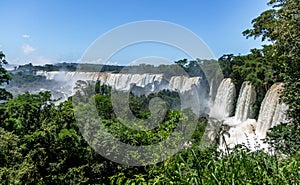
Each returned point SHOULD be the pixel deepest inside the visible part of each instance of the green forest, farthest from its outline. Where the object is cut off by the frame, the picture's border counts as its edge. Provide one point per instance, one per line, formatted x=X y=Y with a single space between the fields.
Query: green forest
x=42 y=142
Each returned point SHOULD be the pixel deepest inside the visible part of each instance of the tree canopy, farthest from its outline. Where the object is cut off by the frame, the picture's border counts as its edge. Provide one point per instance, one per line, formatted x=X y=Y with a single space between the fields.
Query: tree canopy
x=4 y=78
x=41 y=141
x=281 y=26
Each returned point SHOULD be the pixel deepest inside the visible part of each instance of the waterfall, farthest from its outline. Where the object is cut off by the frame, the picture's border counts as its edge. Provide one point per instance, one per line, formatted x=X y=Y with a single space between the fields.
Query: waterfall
x=118 y=81
x=211 y=88
x=183 y=83
x=272 y=111
x=125 y=81
x=241 y=127
x=249 y=131
x=193 y=93
x=223 y=103
x=69 y=76
x=246 y=99
x=122 y=81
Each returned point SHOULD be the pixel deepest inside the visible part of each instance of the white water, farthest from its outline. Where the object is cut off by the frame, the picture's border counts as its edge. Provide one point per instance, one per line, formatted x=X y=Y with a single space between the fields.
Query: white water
x=122 y=81
x=223 y=103
x=118 y=81
x=242 y=128
x=183 y=83
x=272 y=111
x=250 y=132
x=192 y=93
x=244 y=107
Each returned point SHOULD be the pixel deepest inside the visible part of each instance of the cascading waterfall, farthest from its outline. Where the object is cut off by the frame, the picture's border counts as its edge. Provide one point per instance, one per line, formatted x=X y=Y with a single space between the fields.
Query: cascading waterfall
x=242 y=129
x=192 y=92
x=240 y=125
x=223 y=104
x=118 y=81
x=272 y=111
x=124 y=81
x=246 y=99
x=121 y=81
x=183 y=83
x=72 y=76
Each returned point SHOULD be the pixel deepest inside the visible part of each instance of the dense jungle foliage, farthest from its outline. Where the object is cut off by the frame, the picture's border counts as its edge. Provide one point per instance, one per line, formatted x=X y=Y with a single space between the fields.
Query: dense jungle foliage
x=42 y=143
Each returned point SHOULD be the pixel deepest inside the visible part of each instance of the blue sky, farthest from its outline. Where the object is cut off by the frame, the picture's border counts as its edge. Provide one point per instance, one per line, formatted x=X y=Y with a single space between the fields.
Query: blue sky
x=44 y=31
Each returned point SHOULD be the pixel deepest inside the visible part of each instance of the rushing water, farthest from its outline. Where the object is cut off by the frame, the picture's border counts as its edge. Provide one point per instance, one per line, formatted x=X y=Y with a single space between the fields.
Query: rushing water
x=121 y=81
x=244 y=107
x=224 y=102
x=193 y=93
x=243 y=129
x=272 y=111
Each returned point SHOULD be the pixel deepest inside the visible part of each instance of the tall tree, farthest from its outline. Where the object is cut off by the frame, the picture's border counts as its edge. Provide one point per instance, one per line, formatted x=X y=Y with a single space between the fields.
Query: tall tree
x=4 y=78
x=281 y=26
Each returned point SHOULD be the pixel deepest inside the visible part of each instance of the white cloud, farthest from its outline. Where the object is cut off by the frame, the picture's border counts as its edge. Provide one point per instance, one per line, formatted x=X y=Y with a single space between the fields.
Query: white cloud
x=113 y=63
x=42 y=60
x=27 y=49
x=96 y=61
x=26 y=36
x=34 y=59
x=152 y=60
